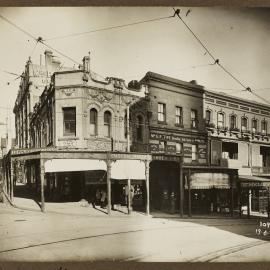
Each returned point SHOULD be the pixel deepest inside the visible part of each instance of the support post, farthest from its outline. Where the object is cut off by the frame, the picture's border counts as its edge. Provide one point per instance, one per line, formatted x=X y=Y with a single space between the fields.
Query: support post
x=109 y=167
x=129 y=198
x=249 y=203
x=268 y=203
x=240 y=200
x=181 y=193
x=42 y=176
x=231 y=182
x=189 y=194
x=147 y=188
x=11 y=180
x=128 y=134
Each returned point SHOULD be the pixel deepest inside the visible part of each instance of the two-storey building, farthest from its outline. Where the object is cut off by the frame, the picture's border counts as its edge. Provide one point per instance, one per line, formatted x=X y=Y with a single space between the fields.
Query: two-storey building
x=169 y=123
x=238 y=137
x=77 y=139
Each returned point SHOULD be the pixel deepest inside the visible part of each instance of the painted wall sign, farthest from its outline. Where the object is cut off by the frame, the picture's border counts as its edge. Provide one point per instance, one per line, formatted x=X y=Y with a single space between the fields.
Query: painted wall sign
x=174 y=138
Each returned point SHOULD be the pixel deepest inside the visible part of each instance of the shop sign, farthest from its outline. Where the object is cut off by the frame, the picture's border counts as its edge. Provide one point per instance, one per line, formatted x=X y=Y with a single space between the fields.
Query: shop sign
x=174 y=138
x=187 y=151
x=254 y=184
x=202 y=153
x=166 y=158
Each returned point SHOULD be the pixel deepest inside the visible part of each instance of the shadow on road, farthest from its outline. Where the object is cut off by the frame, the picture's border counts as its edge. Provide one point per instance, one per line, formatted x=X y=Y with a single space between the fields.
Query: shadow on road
x=250 y=227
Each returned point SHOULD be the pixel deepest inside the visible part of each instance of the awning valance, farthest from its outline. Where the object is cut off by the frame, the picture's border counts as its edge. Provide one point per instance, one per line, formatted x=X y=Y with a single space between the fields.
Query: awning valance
x=250 y=181
x=128 y=169
x=209 y=180
x=70 y=165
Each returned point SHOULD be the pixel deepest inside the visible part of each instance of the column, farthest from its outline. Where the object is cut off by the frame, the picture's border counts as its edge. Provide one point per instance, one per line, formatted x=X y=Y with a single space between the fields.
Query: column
x=109 y=206
x=181 y=193
x=249 y=203
x=129 y=197
x=189 y=195
x=147 y=188
x=11 y=180
x=231 y=182
x=42 y=177
x=268 y=203
x=240 y=200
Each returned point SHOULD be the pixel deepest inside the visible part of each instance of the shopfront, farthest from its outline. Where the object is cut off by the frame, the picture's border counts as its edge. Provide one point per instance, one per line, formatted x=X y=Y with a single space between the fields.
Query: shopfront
x=210 y=191
x=255 y=194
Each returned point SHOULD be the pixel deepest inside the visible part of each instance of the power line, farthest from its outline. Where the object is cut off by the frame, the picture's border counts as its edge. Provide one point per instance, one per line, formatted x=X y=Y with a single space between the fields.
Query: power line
x=109 y=28
x=18 y=27
x=217 y=61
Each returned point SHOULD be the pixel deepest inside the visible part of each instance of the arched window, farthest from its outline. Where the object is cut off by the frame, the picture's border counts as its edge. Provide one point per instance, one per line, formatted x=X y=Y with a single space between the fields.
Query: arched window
x=264 y=127
x=93 y=121
x=107 y=124
x=244 y=123
x=220 y=120
x=139 y=128
x=254 y=125
x=208 y=117
x=233 y=124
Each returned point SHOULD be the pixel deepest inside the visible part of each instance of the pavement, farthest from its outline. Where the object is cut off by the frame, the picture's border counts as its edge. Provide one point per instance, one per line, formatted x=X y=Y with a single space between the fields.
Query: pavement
x=76 y=232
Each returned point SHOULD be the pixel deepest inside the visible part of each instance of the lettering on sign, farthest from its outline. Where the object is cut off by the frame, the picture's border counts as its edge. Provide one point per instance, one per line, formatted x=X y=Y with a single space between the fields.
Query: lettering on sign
x=175 y=138
x=166 y=158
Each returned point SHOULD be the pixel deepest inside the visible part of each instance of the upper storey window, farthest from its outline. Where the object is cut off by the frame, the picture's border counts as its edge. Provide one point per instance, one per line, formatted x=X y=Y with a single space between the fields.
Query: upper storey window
x=220 y=120
x=244 y=123
x=93 y=121
x=107 y=123
x=161 y=112
x=69 y=117
x=194 y=118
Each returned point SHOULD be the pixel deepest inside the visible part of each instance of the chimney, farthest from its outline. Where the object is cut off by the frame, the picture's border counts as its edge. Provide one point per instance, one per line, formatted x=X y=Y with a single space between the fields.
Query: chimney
x=86 y=63
x=48 y=57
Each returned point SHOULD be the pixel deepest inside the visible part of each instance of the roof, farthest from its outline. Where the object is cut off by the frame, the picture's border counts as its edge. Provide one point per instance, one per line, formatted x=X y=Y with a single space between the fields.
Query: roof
x=238 y=99
x=155 y=76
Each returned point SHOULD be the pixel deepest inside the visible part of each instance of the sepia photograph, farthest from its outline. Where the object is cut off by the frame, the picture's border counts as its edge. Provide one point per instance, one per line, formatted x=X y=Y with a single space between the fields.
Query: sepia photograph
x=134 y=135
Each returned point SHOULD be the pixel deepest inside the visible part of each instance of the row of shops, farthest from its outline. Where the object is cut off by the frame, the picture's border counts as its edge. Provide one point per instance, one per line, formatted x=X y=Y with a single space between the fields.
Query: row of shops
x=139 y=181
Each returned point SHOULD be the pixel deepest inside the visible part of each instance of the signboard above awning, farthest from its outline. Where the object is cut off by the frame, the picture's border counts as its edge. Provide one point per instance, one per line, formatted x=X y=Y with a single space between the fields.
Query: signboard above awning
x=128 y=169
x=72 y=165
x=209 y=180
x=250 y=181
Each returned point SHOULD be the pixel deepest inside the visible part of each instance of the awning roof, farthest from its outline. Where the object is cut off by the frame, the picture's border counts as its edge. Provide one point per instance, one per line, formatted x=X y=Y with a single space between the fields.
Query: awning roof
x=71 y=165
x=128 y=169
x=253 y=181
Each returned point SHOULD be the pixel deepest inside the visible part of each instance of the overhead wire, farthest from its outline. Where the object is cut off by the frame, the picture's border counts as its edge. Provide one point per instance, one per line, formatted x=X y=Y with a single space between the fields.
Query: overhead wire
x=216 y=60
x=108 y=28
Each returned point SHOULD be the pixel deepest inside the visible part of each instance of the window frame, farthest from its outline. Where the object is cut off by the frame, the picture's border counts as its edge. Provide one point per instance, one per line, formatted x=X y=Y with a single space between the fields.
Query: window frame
x=162 y=113
x=194 y=121
x=245 y=127
x=223 y=120
x=108 y=124
x=95 y=123
x=70 y=122
x=264 y=124
x=179 y=116
x=233 y=116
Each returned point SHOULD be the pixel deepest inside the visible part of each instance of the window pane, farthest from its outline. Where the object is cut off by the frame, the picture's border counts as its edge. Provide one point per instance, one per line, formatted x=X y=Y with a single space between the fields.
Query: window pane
x=194 y=152
x=107 y=124
x=179 y=148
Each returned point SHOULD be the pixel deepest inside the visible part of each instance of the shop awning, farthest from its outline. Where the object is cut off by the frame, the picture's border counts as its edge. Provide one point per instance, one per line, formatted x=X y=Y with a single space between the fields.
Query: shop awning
x=128 y=169
x=251 y=181
x=209 y=180
x=71 y=165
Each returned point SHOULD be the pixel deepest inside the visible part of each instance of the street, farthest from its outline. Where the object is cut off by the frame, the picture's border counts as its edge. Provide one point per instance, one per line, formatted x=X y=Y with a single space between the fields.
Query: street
x=90 y=235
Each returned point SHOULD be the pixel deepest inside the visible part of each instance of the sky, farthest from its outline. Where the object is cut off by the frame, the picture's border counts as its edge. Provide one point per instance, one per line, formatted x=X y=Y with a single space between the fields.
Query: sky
x=239 y=38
